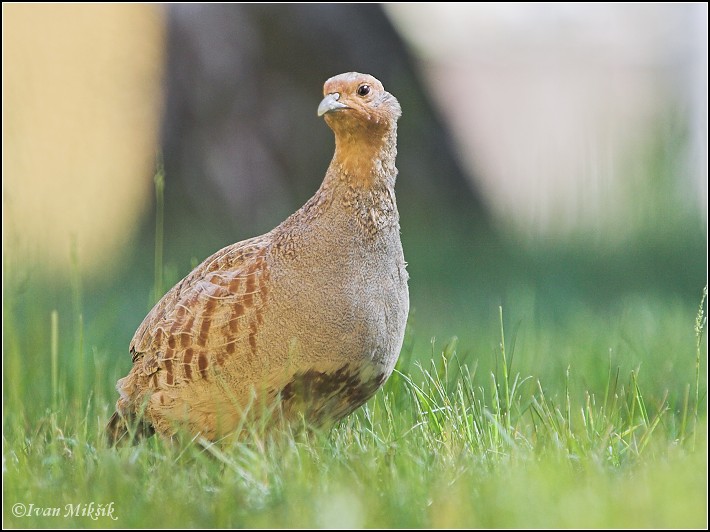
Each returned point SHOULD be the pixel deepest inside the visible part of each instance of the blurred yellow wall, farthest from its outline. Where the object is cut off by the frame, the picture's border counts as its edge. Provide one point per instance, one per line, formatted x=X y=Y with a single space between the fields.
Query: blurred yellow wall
x=81 y=109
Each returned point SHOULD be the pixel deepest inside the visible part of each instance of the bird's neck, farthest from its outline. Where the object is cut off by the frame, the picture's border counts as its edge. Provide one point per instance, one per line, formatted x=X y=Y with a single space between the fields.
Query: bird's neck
x=364 y=161
x=360 y=181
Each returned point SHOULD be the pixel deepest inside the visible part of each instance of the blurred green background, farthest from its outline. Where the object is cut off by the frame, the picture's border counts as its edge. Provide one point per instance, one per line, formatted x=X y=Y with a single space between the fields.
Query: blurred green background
x=552 y=160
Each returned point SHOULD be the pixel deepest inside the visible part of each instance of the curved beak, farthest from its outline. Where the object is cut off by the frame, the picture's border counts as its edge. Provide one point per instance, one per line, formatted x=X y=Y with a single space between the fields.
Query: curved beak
x=330 y=103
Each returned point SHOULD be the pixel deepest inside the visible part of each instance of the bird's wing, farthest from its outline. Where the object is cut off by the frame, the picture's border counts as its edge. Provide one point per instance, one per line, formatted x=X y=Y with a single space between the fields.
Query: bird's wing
x=211 y=314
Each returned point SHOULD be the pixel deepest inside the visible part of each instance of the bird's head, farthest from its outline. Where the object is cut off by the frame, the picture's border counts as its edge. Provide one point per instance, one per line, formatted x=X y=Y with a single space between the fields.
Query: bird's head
x=358 y=103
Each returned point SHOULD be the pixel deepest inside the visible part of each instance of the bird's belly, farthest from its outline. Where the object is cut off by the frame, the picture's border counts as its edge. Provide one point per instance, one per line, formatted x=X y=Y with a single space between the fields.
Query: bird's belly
x=338 y=345
x=323 y=397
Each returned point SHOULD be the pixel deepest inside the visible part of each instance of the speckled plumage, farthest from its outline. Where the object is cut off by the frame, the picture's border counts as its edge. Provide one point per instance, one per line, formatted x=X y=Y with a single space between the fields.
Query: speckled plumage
x=308 y=318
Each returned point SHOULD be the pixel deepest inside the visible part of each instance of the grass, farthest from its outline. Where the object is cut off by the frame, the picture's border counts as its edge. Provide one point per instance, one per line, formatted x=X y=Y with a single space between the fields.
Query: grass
x=447 y=443
x=598 y=419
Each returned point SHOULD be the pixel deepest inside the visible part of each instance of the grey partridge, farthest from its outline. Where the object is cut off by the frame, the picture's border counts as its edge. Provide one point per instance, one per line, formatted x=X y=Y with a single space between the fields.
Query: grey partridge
x=307 y=320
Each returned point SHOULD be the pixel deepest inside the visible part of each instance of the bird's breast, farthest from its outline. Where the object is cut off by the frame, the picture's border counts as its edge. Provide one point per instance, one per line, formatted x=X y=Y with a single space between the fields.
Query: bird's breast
x=342 y=297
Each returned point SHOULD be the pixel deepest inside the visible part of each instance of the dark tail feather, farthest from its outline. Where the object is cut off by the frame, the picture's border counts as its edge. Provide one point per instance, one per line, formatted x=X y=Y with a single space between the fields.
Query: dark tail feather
x=127 y=429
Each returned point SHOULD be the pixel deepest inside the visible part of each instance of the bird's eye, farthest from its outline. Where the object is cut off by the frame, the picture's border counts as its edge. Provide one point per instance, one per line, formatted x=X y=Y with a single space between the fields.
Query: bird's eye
x=363 y=90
